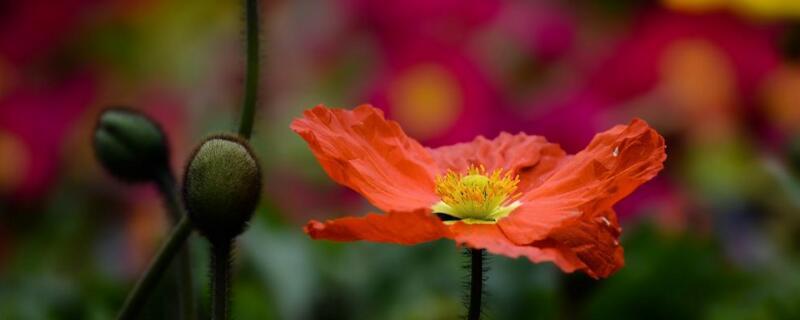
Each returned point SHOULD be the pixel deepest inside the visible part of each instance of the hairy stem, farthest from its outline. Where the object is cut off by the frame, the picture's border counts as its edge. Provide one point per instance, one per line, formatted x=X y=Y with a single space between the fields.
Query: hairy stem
x=185 y=280
x=221 y=279
x=252 y=69
x=149 y=280
x=221 y=258
x=476 y=284
x=186 y=300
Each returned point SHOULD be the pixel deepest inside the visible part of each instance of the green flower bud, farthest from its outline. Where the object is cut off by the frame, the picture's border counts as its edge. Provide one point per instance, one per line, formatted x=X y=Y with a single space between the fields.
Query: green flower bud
x=130 y=145
x=221 y=187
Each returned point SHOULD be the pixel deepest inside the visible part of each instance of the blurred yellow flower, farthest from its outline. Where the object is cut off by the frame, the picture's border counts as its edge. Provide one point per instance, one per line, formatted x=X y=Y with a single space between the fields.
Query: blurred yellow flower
x=757 y=8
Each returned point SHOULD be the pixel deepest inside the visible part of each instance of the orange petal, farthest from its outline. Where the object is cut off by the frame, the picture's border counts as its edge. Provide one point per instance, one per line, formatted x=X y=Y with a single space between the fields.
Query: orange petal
x=614 y=164
x=395 y=227
x=365 y=152
x=491 y=238
x=594 y=241
x=532 y=157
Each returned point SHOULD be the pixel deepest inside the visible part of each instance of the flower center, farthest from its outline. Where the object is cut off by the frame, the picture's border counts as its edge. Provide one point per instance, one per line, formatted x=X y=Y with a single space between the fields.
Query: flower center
x=477 y=196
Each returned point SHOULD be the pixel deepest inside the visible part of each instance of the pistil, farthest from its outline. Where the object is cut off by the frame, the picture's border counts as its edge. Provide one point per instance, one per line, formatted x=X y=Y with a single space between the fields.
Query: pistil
x=477 y=196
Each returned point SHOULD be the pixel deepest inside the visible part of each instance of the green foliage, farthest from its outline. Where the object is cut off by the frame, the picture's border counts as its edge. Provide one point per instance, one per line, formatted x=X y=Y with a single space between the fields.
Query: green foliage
x=667 y=276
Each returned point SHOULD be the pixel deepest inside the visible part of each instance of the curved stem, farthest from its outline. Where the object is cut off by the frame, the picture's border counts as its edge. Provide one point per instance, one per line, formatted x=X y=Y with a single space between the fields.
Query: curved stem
x=221 y=279
x=166 y=187
x=168 y=190
x=252 y=69
x=149 y=280
x=476 y=284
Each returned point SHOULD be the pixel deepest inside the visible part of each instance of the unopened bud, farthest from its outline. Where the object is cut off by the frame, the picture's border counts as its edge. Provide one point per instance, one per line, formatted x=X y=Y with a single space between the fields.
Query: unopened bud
x=221 y=187
x=130 y=146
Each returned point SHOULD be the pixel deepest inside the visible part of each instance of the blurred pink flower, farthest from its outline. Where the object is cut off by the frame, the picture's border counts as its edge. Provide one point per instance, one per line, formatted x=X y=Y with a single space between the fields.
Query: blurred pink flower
x=435 y=81
x=38 y=105
x=634 y=65
x=29 y=30
x=571 y=123
x=437 y=92
x=397 y=21
x=34 y=120
x=696 y=72
x=544 y=28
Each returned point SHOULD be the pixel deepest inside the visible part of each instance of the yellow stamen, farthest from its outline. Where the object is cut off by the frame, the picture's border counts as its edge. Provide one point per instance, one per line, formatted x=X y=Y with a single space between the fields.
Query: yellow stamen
x=477 y=196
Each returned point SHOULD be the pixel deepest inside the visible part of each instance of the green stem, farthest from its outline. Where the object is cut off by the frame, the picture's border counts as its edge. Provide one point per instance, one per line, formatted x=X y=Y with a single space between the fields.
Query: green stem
x=221 y=279
x=476 y=284
x=167 y=187
x=149 y=280
x=252 y=69
x=185 y=285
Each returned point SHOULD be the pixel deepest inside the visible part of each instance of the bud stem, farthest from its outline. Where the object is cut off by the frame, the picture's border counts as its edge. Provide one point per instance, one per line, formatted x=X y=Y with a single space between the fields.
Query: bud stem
x=167 y=188
x=252 y=69
x=476 y=283
x=165 y=183
x=221 y=278
x=149 y=280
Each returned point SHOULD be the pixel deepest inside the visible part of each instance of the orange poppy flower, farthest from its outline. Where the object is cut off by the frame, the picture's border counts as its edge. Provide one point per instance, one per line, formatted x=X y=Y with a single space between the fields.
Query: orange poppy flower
x=515 y=195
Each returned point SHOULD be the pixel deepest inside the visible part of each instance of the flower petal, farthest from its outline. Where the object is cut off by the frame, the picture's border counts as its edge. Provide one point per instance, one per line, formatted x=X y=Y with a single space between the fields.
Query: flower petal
x=532 y=157
x=491 y=238
x=365 y=152
x=614 y=164
x=395 y=227
x=594 y=241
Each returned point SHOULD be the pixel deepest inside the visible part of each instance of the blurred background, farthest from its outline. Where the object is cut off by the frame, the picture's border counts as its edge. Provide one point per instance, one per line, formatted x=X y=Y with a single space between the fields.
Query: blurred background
x=715 y=236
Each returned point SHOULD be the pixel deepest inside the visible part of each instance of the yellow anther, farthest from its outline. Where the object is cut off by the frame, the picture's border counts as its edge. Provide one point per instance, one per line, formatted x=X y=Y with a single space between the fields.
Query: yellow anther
x=477 y=196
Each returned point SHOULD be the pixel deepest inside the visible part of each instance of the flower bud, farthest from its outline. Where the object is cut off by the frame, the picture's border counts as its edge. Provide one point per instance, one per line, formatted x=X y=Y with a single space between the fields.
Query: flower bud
x=130 y=145
x=221 y=187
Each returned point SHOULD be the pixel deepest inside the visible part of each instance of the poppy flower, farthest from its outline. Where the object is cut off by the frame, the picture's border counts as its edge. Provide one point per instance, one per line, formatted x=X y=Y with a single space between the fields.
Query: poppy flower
x=515 y=195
